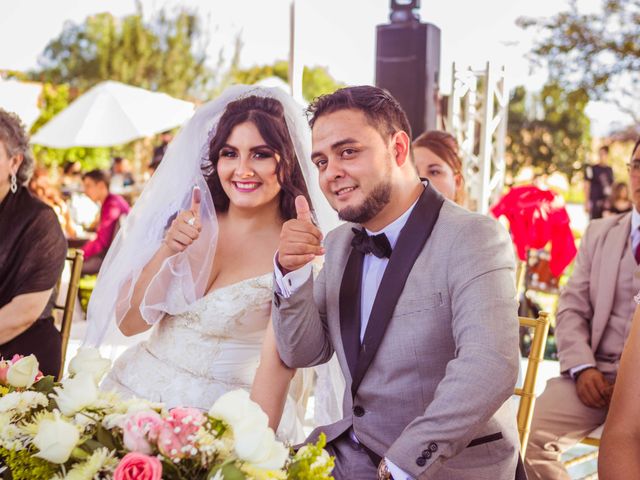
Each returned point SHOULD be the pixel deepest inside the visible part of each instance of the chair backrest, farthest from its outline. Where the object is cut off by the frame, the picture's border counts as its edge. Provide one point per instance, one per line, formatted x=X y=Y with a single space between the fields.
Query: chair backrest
x=76 y=258
x=527 y=395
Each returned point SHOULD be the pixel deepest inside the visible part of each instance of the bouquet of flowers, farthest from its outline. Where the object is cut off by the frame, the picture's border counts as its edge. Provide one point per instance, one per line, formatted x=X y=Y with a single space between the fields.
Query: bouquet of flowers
x=72 y=430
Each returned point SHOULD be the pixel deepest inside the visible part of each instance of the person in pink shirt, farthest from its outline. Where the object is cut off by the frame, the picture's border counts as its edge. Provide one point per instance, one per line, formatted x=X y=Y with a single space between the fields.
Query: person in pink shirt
x=96 y=187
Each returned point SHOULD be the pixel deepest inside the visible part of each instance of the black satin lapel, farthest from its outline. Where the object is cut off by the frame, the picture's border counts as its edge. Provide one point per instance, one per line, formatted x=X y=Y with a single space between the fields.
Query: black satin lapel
x=350 y=293
x=410 y=243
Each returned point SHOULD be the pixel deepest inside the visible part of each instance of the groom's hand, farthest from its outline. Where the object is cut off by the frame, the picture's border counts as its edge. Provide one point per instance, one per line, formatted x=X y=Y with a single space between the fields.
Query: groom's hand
x=300 y=239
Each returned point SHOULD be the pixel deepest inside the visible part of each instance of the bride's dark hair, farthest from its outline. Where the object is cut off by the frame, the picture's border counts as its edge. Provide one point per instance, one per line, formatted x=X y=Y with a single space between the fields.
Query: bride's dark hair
x=267 y=114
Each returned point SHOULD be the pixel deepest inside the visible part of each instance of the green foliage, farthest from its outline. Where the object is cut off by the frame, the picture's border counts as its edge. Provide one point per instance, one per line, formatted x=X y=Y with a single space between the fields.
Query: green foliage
x=316 y=81
x=23 y=466
x=45 y=385
x=549 y=131
x=166 y=53
x=598 y=52
x=309 y=464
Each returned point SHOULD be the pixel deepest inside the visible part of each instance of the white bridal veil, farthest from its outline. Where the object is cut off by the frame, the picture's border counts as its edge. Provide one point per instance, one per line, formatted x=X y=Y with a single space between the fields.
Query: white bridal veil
x=169 y=191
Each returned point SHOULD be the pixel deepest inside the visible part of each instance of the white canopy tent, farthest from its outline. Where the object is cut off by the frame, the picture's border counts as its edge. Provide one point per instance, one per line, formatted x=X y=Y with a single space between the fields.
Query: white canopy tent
x=112 y=113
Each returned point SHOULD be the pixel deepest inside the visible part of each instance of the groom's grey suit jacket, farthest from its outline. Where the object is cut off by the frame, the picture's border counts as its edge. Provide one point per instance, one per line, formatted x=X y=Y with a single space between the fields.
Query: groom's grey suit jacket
x=429 y=387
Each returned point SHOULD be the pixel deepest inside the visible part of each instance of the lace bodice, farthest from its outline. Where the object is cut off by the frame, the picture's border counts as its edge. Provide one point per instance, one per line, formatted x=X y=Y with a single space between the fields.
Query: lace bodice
x=192 y=358
x=225 y=326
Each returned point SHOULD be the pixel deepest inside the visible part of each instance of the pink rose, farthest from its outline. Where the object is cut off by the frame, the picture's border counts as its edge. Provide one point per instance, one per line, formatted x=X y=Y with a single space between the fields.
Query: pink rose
x=139 y=429
x=177 y=433
x=136 y=466
x=16 y=357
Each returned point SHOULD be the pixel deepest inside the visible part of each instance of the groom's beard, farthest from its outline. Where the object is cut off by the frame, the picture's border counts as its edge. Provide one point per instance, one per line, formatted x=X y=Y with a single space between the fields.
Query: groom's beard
x=372 y=205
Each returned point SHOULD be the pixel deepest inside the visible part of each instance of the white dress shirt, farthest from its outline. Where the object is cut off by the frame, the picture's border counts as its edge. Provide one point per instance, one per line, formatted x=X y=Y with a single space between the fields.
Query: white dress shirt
x=634 y=235
x=372 y=271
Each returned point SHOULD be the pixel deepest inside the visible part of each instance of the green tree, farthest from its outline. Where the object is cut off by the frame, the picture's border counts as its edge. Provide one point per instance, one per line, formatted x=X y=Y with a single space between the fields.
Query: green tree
x=316 y=81
x=598 y=52
x=548 y=131
x=166 y=53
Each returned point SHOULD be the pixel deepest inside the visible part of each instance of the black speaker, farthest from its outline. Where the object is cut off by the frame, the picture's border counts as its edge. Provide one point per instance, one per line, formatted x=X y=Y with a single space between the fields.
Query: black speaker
x=408 y=66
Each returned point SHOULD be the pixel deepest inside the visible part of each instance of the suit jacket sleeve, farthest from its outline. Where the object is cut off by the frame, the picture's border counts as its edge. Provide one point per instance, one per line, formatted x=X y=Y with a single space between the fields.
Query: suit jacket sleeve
x=575 y=311
x=300 y=323
x=484 y=323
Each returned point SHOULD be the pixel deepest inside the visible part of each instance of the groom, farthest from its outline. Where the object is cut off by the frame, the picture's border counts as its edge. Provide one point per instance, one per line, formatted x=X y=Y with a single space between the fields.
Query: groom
x=416 y=297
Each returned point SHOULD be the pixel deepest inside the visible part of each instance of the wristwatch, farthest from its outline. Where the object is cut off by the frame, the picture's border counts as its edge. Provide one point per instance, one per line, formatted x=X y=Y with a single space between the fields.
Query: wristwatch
x=383 y=471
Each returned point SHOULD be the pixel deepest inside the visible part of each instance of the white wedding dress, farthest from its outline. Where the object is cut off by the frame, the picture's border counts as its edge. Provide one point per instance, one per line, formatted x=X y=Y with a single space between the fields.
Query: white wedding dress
x=193 y=358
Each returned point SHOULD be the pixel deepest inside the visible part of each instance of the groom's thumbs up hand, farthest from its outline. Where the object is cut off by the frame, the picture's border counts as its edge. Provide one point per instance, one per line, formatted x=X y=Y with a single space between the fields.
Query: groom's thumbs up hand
x=303 y=211
x=300 y=239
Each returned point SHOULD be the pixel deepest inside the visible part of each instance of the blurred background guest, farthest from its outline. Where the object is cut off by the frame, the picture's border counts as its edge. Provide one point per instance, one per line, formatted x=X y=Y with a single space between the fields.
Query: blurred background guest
x=159 y=151
x=598 y=182
x=121 y=175
x=113 y=207
x=40 y=186
x=32 y=255
x=71 y=181
x=436 y=158
x=618 y=201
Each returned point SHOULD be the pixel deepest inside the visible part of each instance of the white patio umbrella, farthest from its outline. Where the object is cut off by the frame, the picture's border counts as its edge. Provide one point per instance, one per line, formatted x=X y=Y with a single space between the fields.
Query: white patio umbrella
x=112 y=113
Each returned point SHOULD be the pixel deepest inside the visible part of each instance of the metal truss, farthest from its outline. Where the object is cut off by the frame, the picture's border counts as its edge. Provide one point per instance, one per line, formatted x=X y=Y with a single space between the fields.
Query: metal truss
x=477 y=117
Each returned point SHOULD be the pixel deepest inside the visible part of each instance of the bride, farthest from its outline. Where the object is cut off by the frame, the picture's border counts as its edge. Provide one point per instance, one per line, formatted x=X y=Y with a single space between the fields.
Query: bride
x=201 y=279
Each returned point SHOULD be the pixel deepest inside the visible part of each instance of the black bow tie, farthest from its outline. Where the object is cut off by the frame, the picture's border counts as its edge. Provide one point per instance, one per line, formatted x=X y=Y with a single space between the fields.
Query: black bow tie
x=378 y=245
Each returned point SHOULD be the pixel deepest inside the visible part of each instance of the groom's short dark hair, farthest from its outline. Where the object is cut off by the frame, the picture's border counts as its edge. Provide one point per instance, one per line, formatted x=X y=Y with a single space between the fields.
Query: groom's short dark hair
x=383 y=112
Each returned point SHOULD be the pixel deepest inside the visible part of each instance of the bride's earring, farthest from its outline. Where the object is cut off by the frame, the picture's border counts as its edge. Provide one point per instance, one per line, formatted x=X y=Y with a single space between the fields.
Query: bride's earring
x=14 y=183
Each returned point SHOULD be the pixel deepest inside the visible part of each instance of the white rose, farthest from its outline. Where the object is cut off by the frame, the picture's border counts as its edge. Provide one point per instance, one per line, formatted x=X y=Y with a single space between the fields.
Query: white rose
x=252 y=444
x=56 y=439
x=76 y=393
x=228 y=407
x=236 y=407
x=276 y=458
x=89 y=360
x=22 y=374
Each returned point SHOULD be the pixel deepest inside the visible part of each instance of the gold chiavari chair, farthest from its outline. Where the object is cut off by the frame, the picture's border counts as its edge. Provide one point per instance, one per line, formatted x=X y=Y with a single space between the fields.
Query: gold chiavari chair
x=526 y=393
x=76 y=259
x=592 y=440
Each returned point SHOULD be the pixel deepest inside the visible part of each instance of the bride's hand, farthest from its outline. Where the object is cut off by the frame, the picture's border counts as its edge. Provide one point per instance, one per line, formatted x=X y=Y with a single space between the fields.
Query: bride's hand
x=186 y=227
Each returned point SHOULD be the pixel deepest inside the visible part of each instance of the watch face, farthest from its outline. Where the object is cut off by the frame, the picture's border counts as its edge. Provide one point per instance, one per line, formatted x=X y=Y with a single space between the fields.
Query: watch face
x=383 y=471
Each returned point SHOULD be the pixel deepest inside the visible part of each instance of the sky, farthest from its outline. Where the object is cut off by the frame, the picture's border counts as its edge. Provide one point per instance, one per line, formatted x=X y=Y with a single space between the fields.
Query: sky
x=337 y=34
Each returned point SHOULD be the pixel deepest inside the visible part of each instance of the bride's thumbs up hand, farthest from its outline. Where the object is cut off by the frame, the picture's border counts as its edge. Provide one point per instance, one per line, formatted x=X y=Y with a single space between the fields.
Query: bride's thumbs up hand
x=300 y=239
x=186 y=227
